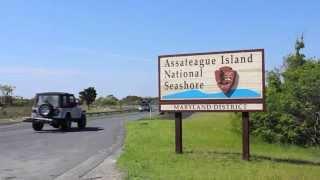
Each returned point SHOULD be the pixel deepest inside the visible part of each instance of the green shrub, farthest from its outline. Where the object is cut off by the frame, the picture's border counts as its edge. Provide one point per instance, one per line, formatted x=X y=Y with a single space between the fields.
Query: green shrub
x=292 y=99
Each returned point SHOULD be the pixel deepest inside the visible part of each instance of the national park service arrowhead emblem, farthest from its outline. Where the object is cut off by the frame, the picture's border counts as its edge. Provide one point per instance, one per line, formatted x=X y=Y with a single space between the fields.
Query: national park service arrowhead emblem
x=225 y=78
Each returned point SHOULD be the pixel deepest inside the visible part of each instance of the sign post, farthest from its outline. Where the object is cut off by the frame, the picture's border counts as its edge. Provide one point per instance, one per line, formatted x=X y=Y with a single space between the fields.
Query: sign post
x=227 y=81
x=178 y=127
x=245 y=136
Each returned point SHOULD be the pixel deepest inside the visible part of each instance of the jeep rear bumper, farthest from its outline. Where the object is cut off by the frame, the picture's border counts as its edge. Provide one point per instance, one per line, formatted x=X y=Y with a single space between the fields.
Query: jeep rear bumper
x=44 y=120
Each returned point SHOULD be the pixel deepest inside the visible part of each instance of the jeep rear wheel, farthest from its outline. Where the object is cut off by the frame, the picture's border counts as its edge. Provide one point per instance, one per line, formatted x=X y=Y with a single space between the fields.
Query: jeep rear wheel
x=37 y=125
x=55 y=125
x=82 y=122
x=66 y=123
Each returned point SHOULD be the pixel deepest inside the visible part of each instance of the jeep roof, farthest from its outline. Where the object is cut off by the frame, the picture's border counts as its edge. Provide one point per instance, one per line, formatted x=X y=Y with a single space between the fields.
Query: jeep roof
x=53 y=93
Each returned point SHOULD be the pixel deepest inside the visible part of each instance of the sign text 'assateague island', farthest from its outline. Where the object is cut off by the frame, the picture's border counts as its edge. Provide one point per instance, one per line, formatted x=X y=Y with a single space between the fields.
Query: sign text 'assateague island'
x=214 y=81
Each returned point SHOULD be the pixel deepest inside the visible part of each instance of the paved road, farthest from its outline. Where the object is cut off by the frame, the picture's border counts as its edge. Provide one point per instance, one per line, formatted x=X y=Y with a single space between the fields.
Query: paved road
x=26 y=154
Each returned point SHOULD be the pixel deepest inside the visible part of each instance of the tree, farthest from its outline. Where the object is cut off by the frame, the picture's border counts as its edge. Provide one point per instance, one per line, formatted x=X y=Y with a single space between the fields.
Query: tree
x=88 y=96
x=6 y=91
x=111 y=100
x=108 y=100
x=130 y=100
x=297 y=59
x=299 y=45
x=292 y=99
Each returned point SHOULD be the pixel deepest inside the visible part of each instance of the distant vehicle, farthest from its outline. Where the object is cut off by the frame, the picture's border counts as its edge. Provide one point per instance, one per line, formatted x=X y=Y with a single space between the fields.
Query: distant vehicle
x=57 y=109
x=144 y=107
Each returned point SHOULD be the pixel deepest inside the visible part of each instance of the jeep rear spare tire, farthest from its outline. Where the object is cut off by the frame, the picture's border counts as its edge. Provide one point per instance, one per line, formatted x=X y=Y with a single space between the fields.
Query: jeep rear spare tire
x=45 y=110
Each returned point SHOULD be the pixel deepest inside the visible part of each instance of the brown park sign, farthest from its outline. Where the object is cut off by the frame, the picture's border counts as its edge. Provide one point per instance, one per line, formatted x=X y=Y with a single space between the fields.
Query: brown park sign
x=213 y=81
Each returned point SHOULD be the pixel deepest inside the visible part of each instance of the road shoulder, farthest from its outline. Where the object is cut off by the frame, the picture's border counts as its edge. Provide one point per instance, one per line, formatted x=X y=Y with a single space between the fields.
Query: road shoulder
x=107 y=170
x=100 y=166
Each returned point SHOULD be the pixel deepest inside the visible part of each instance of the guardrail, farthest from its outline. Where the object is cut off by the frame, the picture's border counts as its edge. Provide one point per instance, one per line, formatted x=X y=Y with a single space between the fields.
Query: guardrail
x=110 y=112
x=93 y=114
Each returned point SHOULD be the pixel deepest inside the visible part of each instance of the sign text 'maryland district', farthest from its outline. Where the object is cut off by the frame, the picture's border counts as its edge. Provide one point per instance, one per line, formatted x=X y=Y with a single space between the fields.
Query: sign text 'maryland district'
x=211 y=107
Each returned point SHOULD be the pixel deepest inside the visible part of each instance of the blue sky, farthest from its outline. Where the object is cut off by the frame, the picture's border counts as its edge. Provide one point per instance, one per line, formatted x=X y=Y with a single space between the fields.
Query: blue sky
x=58 y=45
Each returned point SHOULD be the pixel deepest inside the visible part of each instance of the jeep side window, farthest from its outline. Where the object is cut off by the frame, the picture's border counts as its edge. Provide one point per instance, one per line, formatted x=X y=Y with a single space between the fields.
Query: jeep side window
x=72 y=100
x=64 y=101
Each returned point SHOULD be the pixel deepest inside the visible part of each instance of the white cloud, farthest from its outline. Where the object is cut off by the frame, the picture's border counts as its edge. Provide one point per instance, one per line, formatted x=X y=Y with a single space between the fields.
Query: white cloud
x=37 y=71
x=106 y=54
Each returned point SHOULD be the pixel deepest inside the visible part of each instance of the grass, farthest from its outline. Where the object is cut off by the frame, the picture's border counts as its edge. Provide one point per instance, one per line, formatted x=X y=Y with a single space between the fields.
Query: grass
x=108 y=108
x=14 y=113
x=212 y=150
